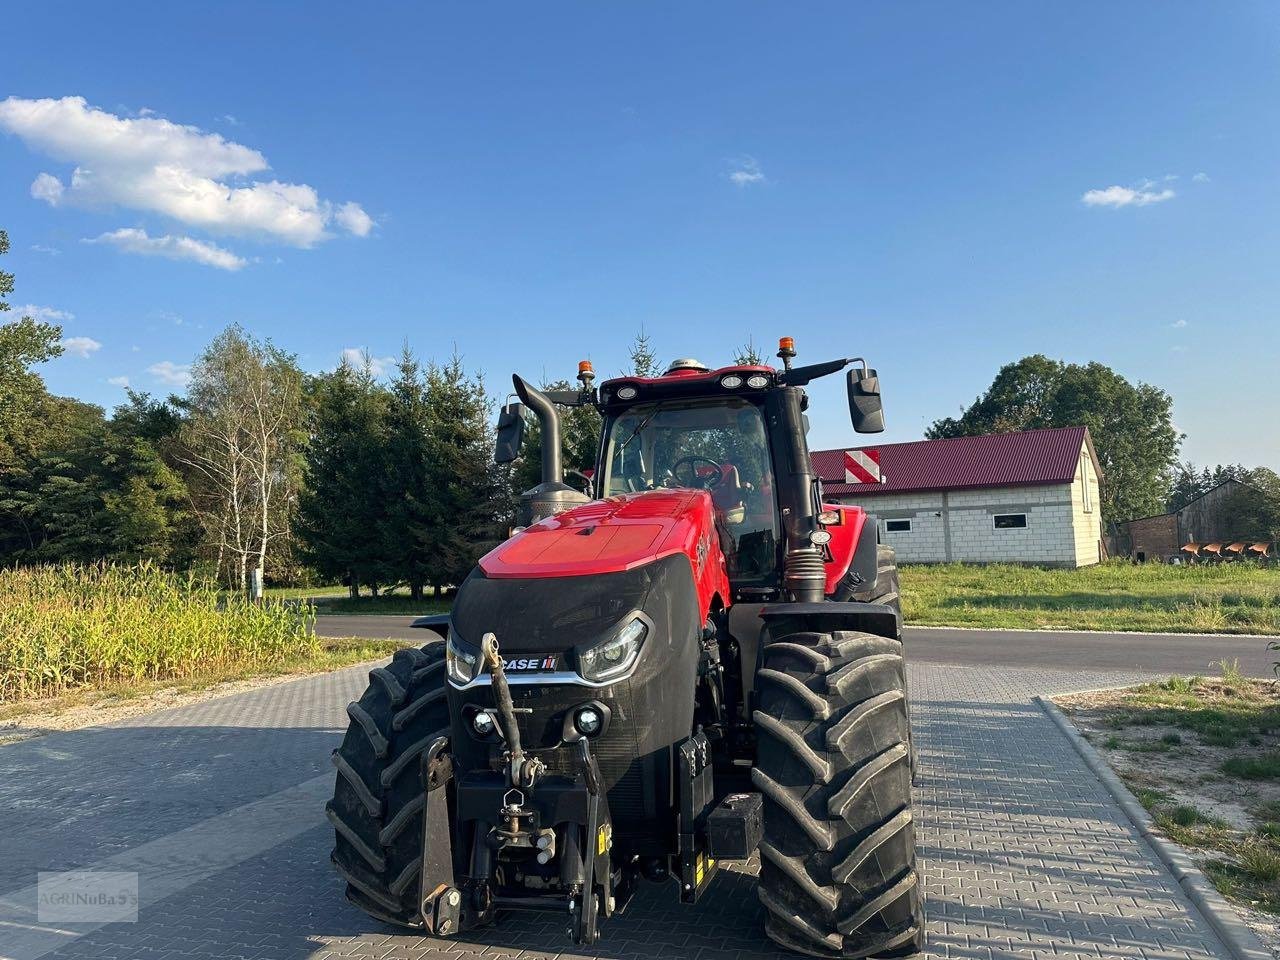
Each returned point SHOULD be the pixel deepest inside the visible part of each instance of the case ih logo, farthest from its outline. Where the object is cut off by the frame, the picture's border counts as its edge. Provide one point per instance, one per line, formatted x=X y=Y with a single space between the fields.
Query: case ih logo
x=862 y=466
x=529 y=664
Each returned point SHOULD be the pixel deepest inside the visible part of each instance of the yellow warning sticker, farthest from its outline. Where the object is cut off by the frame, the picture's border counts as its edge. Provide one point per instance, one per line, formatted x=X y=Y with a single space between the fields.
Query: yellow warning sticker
x=699 y=870
x=604 y=837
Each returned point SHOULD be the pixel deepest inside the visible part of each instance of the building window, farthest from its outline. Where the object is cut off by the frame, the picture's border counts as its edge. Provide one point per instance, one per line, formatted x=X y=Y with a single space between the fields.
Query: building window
x=897 y=526
x=1009 y=521
x=1084 y=482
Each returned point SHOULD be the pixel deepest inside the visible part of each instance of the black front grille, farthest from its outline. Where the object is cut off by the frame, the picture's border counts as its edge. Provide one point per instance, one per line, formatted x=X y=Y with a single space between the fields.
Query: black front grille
x=616 y=750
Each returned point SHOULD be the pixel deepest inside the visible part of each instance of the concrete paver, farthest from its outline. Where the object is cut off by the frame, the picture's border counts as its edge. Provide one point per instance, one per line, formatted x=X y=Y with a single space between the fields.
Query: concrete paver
x=1023 y=853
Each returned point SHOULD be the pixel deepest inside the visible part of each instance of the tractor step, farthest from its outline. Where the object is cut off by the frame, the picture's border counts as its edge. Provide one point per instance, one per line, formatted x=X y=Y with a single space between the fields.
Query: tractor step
x=735 y=827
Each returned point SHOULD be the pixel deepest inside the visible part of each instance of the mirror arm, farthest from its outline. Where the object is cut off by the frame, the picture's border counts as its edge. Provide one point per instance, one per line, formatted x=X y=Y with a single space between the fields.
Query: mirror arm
x=800 y=376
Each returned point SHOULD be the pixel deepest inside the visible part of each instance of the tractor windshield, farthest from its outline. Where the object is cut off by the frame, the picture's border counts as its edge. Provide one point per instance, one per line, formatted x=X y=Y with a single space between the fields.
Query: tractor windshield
x=719 y=446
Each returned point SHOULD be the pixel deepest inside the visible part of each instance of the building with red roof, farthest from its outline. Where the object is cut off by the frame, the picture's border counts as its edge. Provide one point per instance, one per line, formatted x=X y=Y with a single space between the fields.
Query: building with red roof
x=1029 y=497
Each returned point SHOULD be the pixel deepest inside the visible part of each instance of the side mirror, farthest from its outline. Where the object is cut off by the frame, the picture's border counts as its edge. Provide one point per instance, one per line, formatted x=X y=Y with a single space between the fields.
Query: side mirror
x=510 y=433
x=866 y=409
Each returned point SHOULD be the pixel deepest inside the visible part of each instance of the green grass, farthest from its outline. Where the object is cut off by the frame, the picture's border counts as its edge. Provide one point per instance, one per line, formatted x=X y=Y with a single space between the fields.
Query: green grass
x=1218 y=713
x=1117 y=595
x=70 y=626
x=1262 y=767
x=305 y=593
x=1242 y=862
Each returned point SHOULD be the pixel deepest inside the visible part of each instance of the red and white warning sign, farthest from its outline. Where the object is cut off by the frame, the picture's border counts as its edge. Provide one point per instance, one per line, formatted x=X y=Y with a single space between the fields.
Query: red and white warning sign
x=862 y=466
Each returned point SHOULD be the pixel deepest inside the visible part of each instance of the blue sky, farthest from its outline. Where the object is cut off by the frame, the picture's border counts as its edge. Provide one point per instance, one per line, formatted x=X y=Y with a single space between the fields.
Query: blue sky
x=940 y=187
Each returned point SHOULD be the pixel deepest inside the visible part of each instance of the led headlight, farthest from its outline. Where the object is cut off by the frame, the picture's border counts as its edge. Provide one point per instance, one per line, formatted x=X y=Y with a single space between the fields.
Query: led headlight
x=616 y=655
x=757 y=381
x=731 y=382
x=588 y=721
x=460 y=660
x=626 y=393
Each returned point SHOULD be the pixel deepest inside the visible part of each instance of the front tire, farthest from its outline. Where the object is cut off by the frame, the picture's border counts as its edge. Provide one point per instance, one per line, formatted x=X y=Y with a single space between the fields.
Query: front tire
x=838 y=864
x=379 y=797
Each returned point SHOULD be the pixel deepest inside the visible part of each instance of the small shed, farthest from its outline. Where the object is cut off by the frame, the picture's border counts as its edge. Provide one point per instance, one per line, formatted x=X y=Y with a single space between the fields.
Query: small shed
x=1028 y=497
x=1203 y=520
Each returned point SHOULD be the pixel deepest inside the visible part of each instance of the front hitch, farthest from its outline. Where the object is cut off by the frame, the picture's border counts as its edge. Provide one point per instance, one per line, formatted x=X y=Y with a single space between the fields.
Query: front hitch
x=522 y=771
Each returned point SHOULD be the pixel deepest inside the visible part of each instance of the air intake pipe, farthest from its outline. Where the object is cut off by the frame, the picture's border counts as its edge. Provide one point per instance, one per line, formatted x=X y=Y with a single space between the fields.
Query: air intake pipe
x=552 y=495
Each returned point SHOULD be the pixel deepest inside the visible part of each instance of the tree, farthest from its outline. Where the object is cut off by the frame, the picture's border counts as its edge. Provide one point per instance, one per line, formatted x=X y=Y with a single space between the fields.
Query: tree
x=1131 y=425
x=23 y=344
x=643 y=361
x=409 y=492
x=240 y=443
x=748 y=355
x=340 y=507
x=1252 y=510
x=462 y=518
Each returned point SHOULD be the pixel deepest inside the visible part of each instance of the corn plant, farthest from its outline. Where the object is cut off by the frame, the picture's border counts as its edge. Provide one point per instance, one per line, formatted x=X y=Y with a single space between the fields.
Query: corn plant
x=69 y=626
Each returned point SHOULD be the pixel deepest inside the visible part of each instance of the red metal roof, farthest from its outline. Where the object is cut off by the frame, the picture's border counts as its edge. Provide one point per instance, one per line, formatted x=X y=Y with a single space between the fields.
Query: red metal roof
x=1032 y=457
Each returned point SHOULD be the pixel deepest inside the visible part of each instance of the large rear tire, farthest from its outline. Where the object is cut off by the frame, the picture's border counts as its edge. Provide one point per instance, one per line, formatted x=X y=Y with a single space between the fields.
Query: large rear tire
x=838 y=864
x=379 y=796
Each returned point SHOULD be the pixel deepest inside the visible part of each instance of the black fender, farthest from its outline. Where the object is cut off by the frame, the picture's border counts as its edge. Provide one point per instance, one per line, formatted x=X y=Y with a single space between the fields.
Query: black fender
x=439 y=622
x=828 y=616
x=863 y=568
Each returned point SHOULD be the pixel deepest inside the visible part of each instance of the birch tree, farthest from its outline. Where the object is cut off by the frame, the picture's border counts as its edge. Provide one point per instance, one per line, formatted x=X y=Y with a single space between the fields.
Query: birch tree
x=241 y=444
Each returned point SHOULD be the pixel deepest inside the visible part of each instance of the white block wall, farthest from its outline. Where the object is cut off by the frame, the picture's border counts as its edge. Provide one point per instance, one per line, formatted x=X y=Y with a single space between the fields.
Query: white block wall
x=1059 y=531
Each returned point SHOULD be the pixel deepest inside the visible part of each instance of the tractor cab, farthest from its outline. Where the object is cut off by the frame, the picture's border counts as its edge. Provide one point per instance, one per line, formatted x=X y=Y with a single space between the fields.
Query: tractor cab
x=737 y=432
x=718 y=444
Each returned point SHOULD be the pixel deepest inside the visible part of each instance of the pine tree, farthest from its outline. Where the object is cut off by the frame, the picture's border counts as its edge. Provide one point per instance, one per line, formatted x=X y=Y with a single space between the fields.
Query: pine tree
x=748 y=355
x=464 y=508
x=340 y=508
x=409 y=494
x=643 y=361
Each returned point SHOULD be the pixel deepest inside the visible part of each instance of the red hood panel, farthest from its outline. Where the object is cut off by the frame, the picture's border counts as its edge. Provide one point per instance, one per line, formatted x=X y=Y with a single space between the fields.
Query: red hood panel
x=607 y=536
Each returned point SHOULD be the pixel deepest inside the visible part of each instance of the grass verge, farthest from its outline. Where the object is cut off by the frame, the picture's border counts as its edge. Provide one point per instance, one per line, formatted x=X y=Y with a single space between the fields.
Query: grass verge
x=1203 y=757
x=1116 y=595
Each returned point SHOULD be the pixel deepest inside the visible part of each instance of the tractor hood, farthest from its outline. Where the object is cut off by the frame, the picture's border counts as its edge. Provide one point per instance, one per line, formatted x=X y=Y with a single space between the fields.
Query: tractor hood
x=611 y=536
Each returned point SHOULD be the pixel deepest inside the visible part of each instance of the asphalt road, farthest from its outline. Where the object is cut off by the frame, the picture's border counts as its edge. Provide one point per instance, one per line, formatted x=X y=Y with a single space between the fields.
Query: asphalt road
x=1158 y=652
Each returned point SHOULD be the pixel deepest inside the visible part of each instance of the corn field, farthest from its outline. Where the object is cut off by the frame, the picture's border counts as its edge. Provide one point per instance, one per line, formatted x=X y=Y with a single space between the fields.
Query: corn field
x=69 y=626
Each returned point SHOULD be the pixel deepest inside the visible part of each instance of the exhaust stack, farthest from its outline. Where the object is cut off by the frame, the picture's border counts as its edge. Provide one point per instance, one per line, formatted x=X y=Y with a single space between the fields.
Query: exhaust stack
x=552 y=495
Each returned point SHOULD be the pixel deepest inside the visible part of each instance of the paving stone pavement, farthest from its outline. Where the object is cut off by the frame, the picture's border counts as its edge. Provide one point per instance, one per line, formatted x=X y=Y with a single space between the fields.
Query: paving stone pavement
x=1023 y=853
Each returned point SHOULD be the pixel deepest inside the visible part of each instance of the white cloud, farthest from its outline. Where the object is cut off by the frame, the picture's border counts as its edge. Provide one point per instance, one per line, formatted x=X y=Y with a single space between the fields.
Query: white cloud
x=745 y=172
x=41 y=248
x=48 y=188
x=1117 y=196
x=43 y=314
x=134 y=240
x=378 y=366
x=1178 y=324
x=180 y=171
x=173 y=374
x=81 y=347
x=1201 y=177
x=229 y=120
x=352 y=217
x=119 y=382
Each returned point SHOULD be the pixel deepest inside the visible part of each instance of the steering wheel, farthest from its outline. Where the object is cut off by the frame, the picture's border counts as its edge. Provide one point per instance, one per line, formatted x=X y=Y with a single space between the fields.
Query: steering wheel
x=708 y=482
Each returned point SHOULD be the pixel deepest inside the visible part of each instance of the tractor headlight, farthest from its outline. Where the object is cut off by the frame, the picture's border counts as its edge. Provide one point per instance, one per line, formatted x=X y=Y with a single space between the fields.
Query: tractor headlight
x=460 y=660
x=615 y=656
x=757 y=381
x=731 y=382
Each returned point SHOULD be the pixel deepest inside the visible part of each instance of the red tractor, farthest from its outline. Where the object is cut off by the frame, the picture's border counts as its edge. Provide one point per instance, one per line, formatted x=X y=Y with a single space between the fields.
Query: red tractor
x=702 y=664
